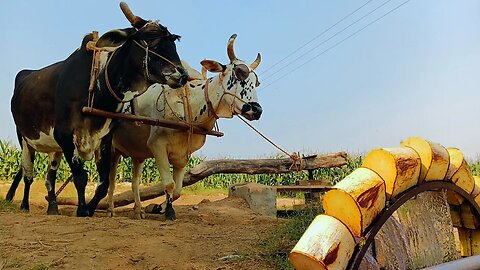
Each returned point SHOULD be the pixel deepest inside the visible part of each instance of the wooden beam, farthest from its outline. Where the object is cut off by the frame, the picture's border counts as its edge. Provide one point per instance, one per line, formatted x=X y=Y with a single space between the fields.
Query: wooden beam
x=150 y=121
x=226 y=166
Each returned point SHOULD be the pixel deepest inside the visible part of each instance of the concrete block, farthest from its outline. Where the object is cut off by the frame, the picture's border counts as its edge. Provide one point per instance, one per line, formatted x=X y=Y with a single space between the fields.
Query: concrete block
x=260 y=198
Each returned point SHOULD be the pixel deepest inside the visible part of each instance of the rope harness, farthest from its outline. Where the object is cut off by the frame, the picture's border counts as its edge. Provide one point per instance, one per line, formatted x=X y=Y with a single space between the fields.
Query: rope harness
x=95 y=69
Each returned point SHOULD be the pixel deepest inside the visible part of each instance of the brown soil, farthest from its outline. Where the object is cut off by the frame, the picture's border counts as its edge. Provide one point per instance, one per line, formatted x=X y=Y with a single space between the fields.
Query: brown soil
x=211 y=232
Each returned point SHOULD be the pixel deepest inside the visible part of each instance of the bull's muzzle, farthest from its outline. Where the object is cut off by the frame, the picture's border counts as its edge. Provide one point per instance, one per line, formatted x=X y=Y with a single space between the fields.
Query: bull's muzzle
x=252 y=110
x=178 y=78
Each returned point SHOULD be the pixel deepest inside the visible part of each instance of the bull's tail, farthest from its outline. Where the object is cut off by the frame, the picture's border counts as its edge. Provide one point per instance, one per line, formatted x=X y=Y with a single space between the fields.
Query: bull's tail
x=18 y=176
x=14 y=186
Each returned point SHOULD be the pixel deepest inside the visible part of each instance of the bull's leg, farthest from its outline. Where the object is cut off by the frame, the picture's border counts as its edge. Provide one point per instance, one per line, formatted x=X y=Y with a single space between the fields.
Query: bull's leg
x=161 y=159
x=53 y=164
x=28 y=155
x=80 y=177
x=178 y=175
x=137 y=174
x=103 y=168
x=14 y=186
x=111 y=186
x=80 y=180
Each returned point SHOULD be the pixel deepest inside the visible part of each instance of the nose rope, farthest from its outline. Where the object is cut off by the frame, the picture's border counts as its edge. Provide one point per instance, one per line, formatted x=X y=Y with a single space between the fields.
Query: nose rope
x=295 y=156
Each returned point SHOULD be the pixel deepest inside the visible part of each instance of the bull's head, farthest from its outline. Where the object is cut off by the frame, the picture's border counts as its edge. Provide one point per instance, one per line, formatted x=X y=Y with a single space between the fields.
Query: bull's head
x=150 y=47
x=239 y=82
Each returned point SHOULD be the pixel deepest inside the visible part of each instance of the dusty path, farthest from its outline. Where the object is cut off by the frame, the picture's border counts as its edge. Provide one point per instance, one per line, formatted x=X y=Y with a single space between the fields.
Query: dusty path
x=216 y=233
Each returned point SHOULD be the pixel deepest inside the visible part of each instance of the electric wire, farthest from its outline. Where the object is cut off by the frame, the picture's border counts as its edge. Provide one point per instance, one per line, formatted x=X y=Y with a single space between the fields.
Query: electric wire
x=336 y=44
x=316 y=37
x=325 y=41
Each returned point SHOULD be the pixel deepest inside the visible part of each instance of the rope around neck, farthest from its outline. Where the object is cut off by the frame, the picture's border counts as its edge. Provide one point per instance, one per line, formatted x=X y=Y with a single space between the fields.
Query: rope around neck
x=147 y=73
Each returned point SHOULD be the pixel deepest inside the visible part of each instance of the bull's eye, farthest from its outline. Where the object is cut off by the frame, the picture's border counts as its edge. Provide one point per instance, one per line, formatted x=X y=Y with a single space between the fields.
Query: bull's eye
x=241 y=72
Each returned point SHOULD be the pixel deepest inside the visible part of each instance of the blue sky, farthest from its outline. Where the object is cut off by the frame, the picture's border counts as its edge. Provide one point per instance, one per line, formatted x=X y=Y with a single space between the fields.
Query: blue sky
x=413 y=73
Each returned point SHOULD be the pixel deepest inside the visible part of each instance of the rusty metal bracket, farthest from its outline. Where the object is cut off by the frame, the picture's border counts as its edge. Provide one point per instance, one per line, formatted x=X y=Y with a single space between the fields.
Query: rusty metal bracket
x=395 y=203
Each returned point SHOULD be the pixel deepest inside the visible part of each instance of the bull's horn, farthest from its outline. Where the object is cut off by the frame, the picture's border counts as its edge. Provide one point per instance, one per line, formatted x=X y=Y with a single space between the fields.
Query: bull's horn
x=128 y=13
x=257 y=61
x=230 y=52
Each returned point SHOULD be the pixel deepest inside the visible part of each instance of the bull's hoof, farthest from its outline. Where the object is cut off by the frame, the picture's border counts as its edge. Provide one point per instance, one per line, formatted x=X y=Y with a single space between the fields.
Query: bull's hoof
x=140 y=215
x=157 y=209
x=25 y=206
x=90 y=210
x=82 y=212
x=110 y=212
x=170 y=212
x=52 y=208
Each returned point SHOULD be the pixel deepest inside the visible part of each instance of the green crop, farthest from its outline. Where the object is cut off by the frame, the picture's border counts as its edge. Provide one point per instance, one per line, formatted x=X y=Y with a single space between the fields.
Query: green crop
x=10 y=158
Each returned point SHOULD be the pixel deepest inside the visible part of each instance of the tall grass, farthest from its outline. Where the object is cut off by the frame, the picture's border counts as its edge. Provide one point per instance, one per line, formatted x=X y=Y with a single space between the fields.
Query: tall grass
x=278 y=244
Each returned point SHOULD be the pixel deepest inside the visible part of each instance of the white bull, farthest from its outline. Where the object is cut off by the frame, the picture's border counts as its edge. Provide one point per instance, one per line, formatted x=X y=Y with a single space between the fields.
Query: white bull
x=232 y=92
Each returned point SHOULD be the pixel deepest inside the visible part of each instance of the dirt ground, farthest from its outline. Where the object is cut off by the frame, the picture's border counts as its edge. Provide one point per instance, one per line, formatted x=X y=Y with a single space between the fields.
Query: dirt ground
x=211 y=232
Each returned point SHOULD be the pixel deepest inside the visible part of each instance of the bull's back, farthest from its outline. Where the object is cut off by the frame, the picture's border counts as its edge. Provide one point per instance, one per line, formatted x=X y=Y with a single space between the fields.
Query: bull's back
x=32 y=103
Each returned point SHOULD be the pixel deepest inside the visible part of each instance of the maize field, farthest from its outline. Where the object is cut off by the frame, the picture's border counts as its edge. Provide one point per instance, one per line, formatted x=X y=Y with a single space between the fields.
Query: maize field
x=10 y=158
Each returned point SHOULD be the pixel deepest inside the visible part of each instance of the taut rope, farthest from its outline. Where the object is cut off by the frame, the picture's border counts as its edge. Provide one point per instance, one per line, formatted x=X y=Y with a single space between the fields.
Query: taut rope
x=295 y=156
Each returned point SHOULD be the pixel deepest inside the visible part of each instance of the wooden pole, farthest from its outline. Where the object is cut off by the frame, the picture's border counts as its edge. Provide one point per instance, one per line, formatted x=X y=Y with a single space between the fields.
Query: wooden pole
x=210 y=167
x=150 y=121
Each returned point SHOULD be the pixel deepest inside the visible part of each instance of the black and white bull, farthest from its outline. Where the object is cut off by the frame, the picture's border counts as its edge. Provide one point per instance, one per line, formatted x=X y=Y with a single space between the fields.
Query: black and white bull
x=232 y=92
x=47 y=103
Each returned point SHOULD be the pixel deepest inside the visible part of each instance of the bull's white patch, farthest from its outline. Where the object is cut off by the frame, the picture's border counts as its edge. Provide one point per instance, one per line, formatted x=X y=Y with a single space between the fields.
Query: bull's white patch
x=129 y=95
x=27 y=164
x=87 y=142
x=103 y=59
x=45 y=144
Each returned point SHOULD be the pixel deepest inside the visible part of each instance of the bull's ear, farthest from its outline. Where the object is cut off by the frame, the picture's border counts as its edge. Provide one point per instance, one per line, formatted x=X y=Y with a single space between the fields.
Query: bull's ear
x=114 y=38
x=213 y=66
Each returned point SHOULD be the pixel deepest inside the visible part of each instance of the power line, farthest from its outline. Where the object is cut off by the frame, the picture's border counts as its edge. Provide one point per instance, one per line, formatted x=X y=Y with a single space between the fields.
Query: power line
x=336 y=44
x=328 y=39
x=319 y=35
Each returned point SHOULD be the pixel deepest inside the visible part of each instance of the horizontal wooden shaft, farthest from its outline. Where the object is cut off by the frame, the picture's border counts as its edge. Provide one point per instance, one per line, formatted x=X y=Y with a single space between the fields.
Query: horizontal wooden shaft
x=150 y=121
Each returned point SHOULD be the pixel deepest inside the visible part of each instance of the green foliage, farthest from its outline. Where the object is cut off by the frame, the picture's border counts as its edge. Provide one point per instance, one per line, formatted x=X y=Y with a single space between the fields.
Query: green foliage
x=9 y=161
x=475 y=168
x=40 y=267
x=6 y=206
x=10 y=158
x=16 y=263
x=280 y=242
